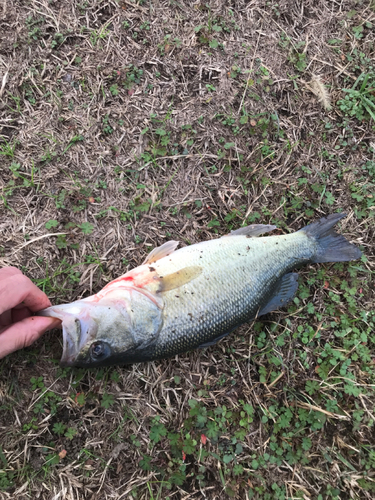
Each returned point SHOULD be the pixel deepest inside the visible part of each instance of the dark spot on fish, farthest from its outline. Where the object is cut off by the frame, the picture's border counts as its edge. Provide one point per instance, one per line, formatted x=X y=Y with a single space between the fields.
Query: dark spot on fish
x=152 y=269
x=161 y=277
x=247 y=248
x=277 y=242
x=177 y=296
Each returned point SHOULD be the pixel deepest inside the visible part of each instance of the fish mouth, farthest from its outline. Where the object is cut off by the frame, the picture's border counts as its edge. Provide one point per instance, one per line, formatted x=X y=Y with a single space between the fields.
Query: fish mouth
x=78 y=330
x=69 y=344
x=70 y=350
x=76 y=337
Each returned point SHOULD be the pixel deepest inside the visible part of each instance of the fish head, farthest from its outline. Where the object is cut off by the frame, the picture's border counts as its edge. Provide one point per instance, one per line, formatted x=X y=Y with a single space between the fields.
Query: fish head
x=107 y=331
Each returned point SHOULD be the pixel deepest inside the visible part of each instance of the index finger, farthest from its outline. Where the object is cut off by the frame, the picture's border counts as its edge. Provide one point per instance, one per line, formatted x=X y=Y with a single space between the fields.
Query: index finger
x=6 y=272
x=18 y=289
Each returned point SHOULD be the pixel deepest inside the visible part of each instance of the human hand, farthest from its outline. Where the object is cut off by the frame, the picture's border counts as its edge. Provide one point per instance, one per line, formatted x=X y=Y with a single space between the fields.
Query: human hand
x=19 y=298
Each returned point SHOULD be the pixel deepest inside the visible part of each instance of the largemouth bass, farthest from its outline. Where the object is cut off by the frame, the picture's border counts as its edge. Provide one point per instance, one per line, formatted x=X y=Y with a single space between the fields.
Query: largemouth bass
x=179 y=300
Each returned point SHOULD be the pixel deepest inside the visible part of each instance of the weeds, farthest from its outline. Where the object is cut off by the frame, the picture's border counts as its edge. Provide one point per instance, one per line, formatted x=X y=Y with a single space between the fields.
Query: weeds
x=8 y=149
x=359 y=101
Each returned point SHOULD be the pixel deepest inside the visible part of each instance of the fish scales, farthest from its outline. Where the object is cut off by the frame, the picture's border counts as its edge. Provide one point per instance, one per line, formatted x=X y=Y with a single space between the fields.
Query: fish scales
x=194 y=296
x=234 y=285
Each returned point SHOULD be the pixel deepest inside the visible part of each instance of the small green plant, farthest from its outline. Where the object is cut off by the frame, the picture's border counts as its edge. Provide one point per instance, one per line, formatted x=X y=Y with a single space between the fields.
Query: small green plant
x=6 y=475
x=37 y=383
x=74 y=140
x=51 y=224
x=59 y=428
x=107 y=400
x=8 y=149
x=133 y=76
x=114 y=89
x=58 y=39
x=61 y=241
x=359 y=101
x=107 y=129
x=70 y=433
x=86 y=227
x=47 y=401
x=99 y=34
x=34 y=32
x=299 y=60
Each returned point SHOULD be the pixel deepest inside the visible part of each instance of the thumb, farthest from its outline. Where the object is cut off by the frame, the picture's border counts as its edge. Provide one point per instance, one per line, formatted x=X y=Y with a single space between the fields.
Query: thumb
x=24 y=333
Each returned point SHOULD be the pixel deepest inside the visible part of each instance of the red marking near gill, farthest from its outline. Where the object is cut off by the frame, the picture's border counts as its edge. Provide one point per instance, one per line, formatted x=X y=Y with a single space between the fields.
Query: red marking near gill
x=139 y=277
x=122 y=282
x=118 y=280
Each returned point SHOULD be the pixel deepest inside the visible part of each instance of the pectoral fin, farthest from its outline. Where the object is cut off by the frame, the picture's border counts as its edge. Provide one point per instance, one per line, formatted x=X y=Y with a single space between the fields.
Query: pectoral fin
x=179 y=278
x=284 y=292
x=252 y=231
x=162 y=251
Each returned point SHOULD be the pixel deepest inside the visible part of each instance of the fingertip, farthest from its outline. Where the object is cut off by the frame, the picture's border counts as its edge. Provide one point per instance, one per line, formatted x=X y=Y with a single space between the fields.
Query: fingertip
x=43 y=324
x=24 y=333
x=54 y=323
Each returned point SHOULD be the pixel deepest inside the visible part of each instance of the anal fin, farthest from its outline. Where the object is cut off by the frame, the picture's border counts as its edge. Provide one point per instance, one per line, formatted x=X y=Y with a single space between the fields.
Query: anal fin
x=284 y=292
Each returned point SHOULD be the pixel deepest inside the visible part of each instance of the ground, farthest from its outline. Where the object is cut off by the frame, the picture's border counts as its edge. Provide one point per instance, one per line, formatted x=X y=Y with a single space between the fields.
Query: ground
x=124 y=124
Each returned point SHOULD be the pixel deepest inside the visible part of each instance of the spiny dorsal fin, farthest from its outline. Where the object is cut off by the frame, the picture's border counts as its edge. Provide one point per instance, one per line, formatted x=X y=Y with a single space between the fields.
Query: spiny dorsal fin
x=252 y=231
x=162 y=251
x=179 y=278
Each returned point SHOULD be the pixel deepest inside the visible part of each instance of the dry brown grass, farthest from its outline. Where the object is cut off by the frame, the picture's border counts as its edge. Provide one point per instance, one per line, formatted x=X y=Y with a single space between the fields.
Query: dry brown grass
x=89 y=91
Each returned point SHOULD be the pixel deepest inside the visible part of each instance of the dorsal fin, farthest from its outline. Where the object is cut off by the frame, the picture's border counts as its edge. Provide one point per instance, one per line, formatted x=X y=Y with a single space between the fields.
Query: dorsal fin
x=252 y=231
x=162 y=251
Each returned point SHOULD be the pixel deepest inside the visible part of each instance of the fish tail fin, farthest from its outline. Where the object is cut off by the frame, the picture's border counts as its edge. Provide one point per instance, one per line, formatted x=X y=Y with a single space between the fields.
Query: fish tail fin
x=332 y=247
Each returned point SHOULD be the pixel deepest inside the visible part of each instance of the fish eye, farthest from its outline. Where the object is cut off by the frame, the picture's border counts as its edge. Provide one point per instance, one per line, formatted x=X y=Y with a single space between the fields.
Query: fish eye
x=98 y=350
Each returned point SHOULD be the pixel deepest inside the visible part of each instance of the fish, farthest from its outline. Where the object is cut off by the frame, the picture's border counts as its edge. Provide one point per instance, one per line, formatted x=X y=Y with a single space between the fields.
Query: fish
x=192 y=297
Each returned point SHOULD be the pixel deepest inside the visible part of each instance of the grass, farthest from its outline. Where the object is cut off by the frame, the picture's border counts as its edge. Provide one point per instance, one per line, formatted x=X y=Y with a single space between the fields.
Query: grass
x=125 y=125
